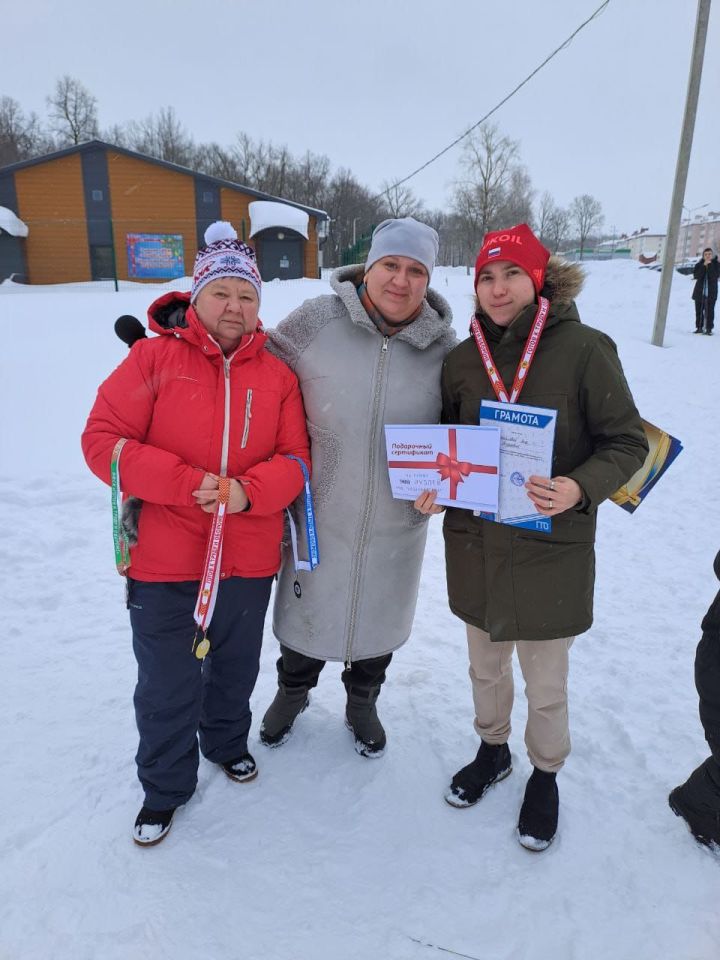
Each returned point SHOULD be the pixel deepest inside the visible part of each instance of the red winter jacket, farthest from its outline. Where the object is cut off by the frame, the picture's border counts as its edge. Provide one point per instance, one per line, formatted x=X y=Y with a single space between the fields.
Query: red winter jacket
x=175 y=398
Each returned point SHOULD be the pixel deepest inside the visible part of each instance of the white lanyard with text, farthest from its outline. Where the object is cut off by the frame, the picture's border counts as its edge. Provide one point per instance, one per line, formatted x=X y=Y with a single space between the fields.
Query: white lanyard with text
x=207 y=594
x=310 y=529
x=531 y=345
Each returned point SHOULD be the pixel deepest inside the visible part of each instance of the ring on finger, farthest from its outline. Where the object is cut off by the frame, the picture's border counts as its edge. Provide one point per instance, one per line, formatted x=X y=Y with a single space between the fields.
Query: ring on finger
x=550 y=504
x=552 y=484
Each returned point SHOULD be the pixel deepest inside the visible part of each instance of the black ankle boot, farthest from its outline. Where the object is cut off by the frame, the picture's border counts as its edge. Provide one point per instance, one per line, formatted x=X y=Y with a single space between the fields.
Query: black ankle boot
x=697 y=801
x=538 y=821
x=362 y=720
x=492 y=764
x=280 y=716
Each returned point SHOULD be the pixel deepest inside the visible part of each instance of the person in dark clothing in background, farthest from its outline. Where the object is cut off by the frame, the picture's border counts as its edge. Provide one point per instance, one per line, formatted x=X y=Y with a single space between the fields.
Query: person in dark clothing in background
x=706 y=273
x=697 y=800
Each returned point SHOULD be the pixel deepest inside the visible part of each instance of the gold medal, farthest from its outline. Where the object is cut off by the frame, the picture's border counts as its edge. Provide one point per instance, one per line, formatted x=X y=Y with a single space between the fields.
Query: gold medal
x=202 y=649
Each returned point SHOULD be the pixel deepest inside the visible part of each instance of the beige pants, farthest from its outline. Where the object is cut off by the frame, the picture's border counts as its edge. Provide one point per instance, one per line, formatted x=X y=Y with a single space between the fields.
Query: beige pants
x=544 y=665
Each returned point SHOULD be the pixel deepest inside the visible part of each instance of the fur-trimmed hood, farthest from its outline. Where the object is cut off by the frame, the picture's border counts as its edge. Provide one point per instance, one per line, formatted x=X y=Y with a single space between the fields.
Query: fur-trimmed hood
x=563 y=280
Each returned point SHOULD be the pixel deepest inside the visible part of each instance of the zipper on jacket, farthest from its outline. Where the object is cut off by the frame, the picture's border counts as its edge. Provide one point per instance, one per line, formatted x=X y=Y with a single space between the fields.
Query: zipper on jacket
x=226 y=422
x=248 y=415
x=369 y=499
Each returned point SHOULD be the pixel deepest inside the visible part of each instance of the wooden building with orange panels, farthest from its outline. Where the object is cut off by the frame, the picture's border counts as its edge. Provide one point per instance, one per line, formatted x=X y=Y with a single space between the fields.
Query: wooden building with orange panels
x=96 y=211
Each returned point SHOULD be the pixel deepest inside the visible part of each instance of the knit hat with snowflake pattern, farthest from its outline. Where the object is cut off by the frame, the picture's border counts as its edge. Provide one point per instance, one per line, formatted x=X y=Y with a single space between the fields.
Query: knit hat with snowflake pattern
x=224 y=256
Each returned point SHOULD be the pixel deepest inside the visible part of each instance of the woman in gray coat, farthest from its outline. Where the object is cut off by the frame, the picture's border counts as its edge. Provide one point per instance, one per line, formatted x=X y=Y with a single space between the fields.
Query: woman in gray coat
x=367 y=355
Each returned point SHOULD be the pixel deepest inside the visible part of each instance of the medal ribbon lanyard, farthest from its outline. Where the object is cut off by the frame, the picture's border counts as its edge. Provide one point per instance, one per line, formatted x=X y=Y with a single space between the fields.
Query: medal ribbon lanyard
x=120 y=540
x=210 y=580
x=531 y=345
x=310 y=529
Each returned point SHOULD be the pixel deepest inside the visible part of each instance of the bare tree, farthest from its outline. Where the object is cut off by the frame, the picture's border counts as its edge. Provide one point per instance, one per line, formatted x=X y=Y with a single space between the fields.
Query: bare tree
x=451 y=252
x=308 y=179
x=484 y=195
x=216 y=160
x=553 y=223
x=21 y=136
x=163 y=137
x=586 y=215
x=487 y=161
x=73 y=112
x=346 y=201
x=261 y=165
x=117 y=135
x=516 y=206
x=558 y=229
x=400 y=201
x=545 y=211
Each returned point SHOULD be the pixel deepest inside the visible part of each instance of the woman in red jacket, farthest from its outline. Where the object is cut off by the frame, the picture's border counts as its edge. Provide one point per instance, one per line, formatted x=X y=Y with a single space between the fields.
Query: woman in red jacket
x=205 y=431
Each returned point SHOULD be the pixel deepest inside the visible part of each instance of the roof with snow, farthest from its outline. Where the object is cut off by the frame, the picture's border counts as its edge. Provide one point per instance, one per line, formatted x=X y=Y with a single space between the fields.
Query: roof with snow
x=92 y=145
x=12 y=224
x=270 y=213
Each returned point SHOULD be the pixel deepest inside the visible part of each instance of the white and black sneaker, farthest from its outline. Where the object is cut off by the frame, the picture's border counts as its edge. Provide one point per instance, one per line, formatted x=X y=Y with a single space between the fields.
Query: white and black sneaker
x=242 y=769
x=152 y=826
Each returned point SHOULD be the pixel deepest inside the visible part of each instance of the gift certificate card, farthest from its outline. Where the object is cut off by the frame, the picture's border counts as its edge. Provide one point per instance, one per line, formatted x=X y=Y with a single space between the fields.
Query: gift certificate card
x=527 y=437
x=461 y=462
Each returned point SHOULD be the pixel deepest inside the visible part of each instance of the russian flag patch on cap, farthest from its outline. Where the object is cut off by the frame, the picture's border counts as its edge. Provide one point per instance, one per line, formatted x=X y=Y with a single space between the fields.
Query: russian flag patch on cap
x=494 y=252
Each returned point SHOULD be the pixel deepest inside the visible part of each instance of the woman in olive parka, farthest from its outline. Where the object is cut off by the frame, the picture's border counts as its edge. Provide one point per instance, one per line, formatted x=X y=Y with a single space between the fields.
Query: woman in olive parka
x=517 y=588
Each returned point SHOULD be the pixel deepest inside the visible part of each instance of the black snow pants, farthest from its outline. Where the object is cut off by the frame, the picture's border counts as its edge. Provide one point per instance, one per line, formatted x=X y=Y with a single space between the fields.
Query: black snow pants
x=178 y=696
x=299 y=670
x=707 y=675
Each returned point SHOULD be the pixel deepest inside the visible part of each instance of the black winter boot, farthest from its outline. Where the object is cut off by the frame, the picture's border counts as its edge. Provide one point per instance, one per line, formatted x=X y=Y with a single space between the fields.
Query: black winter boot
x=491 y=765
x=538 y=821
x=280 y=716
x=363 y=722
x=152 y=826
x=241 y=769
x=697 y=801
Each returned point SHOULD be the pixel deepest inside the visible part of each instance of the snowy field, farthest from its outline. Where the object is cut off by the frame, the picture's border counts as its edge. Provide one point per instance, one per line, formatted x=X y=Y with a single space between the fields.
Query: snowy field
x=329 y=856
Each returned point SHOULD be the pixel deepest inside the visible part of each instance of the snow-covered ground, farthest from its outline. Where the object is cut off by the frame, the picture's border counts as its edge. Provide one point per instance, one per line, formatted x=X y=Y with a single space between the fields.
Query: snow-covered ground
x=328 y=856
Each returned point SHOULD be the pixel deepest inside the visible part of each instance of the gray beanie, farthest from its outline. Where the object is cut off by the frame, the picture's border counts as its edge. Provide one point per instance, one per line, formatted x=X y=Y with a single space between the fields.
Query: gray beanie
x=406 y=237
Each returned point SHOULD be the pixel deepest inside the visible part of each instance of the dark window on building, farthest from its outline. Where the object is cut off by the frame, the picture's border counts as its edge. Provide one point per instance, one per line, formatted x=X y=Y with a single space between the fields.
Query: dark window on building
x=102 y=262
x=97 y=195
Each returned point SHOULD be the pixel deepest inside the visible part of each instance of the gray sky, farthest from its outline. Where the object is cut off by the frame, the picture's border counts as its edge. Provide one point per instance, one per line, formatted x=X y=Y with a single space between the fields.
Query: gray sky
x=382 y=85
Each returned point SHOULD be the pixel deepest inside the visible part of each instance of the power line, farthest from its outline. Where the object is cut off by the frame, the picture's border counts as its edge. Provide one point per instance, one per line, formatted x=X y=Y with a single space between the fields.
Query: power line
x=497 y=106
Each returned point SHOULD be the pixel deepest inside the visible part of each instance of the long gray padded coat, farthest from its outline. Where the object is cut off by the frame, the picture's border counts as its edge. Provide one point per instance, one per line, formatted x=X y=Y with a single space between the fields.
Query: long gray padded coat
x=360 y=602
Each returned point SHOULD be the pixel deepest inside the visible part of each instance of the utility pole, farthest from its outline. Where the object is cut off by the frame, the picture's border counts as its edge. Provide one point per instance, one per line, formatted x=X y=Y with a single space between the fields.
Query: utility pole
x=681 y=170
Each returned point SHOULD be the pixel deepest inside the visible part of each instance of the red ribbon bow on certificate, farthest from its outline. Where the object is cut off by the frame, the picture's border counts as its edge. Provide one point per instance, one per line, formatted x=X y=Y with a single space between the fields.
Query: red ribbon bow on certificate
x=447 y=465
x=454 y=470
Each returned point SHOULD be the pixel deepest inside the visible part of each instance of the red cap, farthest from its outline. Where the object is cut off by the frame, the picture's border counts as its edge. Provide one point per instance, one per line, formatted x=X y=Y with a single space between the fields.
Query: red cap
x=519 y=245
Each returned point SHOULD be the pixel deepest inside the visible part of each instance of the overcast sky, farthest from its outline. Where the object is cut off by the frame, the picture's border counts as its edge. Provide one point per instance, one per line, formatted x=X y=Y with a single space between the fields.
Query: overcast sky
x=382 y=85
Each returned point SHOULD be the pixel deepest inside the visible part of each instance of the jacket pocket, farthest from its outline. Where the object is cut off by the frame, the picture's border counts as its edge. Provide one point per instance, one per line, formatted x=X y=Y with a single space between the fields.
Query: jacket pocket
x=248 y=417
x=325 y=453
x=553 y=585
x=411 y=516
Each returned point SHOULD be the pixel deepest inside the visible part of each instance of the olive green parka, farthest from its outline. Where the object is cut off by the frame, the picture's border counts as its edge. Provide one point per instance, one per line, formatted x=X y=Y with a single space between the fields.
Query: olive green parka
x=518 y=584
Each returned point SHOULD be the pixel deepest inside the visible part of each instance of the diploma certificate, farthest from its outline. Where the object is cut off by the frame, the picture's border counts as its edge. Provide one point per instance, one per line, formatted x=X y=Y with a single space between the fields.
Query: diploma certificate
x=527 y=436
